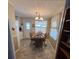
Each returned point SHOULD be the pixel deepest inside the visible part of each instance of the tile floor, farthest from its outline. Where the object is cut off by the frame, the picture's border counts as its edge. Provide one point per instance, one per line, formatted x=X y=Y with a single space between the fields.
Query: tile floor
x=28 y=52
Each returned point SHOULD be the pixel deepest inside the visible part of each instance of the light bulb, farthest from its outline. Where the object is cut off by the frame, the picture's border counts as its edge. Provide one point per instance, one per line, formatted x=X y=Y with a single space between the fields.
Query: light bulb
x=41 y=18
x=36 y=18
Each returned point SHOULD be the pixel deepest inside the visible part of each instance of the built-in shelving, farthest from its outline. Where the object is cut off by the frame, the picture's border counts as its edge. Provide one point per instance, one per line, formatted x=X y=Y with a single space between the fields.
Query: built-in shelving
x=66 y=31
x=67 y=45
x=68 y=20
x=63 y=51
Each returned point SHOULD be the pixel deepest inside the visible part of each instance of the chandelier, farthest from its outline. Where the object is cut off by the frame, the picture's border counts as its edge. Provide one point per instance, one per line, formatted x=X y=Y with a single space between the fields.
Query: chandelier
x=38 y=17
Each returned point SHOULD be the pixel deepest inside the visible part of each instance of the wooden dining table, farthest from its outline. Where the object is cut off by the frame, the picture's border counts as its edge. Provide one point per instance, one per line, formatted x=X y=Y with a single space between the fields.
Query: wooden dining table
x=38 y=39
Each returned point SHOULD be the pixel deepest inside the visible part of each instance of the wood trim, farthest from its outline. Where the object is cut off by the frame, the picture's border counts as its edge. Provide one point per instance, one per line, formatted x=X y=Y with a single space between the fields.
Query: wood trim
x=60 y=31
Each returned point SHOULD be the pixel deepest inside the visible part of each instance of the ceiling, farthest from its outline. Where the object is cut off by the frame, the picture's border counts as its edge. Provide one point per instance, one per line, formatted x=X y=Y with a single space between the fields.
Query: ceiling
x=46 y=8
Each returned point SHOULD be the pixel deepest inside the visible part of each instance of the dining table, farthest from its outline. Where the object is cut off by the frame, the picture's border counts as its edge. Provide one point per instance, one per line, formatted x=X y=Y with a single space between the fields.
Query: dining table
x=38 y=39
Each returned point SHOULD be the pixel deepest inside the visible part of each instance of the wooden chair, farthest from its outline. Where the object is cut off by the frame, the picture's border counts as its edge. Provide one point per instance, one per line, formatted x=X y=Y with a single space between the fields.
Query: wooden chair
x=31 y=38
x=46 y=35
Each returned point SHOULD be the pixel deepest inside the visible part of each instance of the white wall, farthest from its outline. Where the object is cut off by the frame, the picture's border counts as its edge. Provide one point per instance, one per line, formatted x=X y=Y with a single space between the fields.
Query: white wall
x=19 y=33
x=25 y=33
x=12 y=24
x=11 y=18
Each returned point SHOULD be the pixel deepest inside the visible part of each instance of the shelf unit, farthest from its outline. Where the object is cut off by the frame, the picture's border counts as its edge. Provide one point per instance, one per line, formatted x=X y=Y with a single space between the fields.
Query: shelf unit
x=63 y=51
x=68 y=20
x=65 y=44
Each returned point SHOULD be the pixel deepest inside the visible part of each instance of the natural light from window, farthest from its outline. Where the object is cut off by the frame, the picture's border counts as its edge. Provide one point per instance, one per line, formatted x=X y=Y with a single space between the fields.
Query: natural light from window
x=28 y=25
x=40 y=26
x=53 y=30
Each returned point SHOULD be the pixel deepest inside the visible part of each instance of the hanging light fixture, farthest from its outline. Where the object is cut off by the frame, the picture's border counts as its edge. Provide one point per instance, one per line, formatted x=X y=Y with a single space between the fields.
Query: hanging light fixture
x=38 y=17
x=41 y=18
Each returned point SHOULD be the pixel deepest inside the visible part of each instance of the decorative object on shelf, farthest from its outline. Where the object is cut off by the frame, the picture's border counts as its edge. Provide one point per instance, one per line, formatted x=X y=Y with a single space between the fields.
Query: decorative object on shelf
x=38 y=17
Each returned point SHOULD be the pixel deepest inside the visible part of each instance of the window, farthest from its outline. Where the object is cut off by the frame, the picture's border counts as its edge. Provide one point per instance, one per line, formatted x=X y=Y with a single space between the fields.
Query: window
x=54 y=29
x=40 y=26
x=27 y=25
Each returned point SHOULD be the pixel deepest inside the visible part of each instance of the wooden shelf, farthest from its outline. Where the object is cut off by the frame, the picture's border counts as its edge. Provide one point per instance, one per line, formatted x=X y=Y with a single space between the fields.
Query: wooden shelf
x=68 y=20
x=65 y=44
x=65 y=52
x=66 y=31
